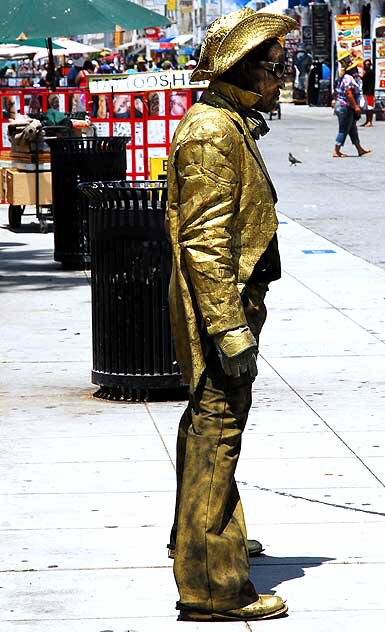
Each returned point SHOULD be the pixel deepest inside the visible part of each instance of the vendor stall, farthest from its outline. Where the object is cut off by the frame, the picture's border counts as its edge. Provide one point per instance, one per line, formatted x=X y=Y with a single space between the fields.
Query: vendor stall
x=25 y=162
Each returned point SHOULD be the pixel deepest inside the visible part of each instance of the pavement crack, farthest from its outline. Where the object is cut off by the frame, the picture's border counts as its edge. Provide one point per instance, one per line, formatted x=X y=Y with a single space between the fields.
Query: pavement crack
x=341 y=180
x=316 y=500
x=160 y=435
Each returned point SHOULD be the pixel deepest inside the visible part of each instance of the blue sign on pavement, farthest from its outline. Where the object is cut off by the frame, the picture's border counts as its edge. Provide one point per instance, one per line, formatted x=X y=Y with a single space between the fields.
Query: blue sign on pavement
x=318 y=252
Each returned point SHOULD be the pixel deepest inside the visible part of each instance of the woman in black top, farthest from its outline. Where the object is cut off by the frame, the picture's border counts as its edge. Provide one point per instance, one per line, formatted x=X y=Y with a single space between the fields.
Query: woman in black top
x=368 y=90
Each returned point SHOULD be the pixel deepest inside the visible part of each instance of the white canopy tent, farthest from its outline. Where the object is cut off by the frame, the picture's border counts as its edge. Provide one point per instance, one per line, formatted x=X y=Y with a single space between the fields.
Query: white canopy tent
x=20 y=52
x=68 y=48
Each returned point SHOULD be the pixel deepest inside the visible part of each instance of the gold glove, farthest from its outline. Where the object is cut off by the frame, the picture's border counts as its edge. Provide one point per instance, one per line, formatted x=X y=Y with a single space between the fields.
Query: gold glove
x=237 y=350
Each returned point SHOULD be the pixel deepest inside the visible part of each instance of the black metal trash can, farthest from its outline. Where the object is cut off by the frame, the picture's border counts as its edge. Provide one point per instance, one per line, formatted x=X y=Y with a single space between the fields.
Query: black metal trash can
x=133 y=354
x=75 y=160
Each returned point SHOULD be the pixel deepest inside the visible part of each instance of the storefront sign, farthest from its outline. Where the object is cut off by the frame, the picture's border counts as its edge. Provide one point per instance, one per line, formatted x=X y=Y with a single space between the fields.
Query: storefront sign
x=367 y=48
x=320 y=31
x=349 y=40
x=143 y=82
x=152 y=32
x=158 y=168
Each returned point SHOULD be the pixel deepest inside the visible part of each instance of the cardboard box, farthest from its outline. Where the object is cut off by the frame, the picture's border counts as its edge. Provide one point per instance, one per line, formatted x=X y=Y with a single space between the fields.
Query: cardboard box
x=21 y=187
x=2 y=184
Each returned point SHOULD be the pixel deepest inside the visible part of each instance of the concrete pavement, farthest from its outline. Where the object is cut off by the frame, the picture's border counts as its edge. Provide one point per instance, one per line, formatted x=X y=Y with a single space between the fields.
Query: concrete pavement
x=87 y=486
x=341 y=199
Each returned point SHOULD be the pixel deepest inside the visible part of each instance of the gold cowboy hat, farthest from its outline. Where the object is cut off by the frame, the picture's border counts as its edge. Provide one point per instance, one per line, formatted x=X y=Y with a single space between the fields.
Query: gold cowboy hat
x=231 y=36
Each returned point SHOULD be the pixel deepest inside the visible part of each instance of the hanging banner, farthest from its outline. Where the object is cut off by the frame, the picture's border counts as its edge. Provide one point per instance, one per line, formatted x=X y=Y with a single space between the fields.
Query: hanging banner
x=349 y=40
x=320 y=31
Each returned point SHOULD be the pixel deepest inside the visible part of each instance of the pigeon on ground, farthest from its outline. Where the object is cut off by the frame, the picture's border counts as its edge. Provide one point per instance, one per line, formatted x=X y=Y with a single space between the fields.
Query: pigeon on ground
x=293 y=160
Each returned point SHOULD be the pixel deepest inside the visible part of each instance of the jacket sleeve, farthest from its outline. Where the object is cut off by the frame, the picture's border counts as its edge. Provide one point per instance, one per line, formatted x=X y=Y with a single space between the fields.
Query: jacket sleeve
x=208 y=173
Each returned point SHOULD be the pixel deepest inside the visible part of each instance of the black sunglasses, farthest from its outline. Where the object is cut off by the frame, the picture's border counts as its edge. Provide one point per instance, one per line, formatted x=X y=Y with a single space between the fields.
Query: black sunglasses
x=278 y=70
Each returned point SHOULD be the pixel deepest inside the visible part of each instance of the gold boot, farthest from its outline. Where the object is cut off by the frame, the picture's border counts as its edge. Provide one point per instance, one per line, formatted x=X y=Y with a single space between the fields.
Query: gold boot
x=266 y=607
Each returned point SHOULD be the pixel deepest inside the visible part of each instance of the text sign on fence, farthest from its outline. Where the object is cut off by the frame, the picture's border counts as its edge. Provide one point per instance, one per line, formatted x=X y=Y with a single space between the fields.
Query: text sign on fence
x=143 y=82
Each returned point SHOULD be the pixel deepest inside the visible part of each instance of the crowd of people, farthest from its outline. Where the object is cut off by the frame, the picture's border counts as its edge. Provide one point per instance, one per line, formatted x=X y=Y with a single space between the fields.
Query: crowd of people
x=73 y=73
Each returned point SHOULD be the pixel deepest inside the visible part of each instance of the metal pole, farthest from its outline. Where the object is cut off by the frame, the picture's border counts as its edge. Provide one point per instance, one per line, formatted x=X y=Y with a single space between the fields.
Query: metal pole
x=51 y=66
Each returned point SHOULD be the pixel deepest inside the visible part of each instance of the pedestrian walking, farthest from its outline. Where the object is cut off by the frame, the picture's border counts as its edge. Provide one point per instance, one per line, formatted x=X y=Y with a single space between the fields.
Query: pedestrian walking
x=348 y=108
x=368 y=81
x=222 y=223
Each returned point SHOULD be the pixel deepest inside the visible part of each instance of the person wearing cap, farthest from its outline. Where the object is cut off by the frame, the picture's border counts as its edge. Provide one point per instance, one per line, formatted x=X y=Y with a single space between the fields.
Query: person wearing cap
x=141 y=64
x=167 y=65
x=190 y=65
x=347 y=106
x=222 y=224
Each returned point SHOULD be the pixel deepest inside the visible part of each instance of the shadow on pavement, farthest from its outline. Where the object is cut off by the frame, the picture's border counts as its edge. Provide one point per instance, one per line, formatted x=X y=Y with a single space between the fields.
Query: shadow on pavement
x=31 y=227
x=35 y=270
x=268 y=572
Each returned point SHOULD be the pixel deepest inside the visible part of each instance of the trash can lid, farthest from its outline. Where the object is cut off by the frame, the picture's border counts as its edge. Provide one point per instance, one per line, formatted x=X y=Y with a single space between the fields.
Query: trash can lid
x=131 y=192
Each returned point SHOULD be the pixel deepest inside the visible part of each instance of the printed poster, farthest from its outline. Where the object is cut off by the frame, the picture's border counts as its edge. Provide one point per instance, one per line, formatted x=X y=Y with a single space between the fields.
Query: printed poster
x=102 y=129
x=380 y=64
x=156 y=132
x=379 y=31
x=379 y=27
x=4 y=131
x=349 y=40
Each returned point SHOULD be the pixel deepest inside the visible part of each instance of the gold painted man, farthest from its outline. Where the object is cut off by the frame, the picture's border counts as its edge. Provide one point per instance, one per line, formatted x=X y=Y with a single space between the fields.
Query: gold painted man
x=222 y=225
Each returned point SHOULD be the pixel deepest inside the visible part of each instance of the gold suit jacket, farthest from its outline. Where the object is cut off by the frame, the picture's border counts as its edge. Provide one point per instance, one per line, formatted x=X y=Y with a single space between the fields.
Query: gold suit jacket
x=221 y=218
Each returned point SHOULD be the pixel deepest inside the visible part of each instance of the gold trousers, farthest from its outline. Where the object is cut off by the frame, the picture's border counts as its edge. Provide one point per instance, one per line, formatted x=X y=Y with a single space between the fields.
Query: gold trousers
x=211 y=564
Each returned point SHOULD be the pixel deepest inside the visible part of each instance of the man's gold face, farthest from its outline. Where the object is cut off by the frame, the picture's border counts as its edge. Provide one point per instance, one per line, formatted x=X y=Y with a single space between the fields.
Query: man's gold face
x=264 y=81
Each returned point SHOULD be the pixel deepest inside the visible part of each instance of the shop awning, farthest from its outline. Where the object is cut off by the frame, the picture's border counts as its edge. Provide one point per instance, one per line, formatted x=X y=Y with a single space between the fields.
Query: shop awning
x=180 y=40
x=168 y=43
